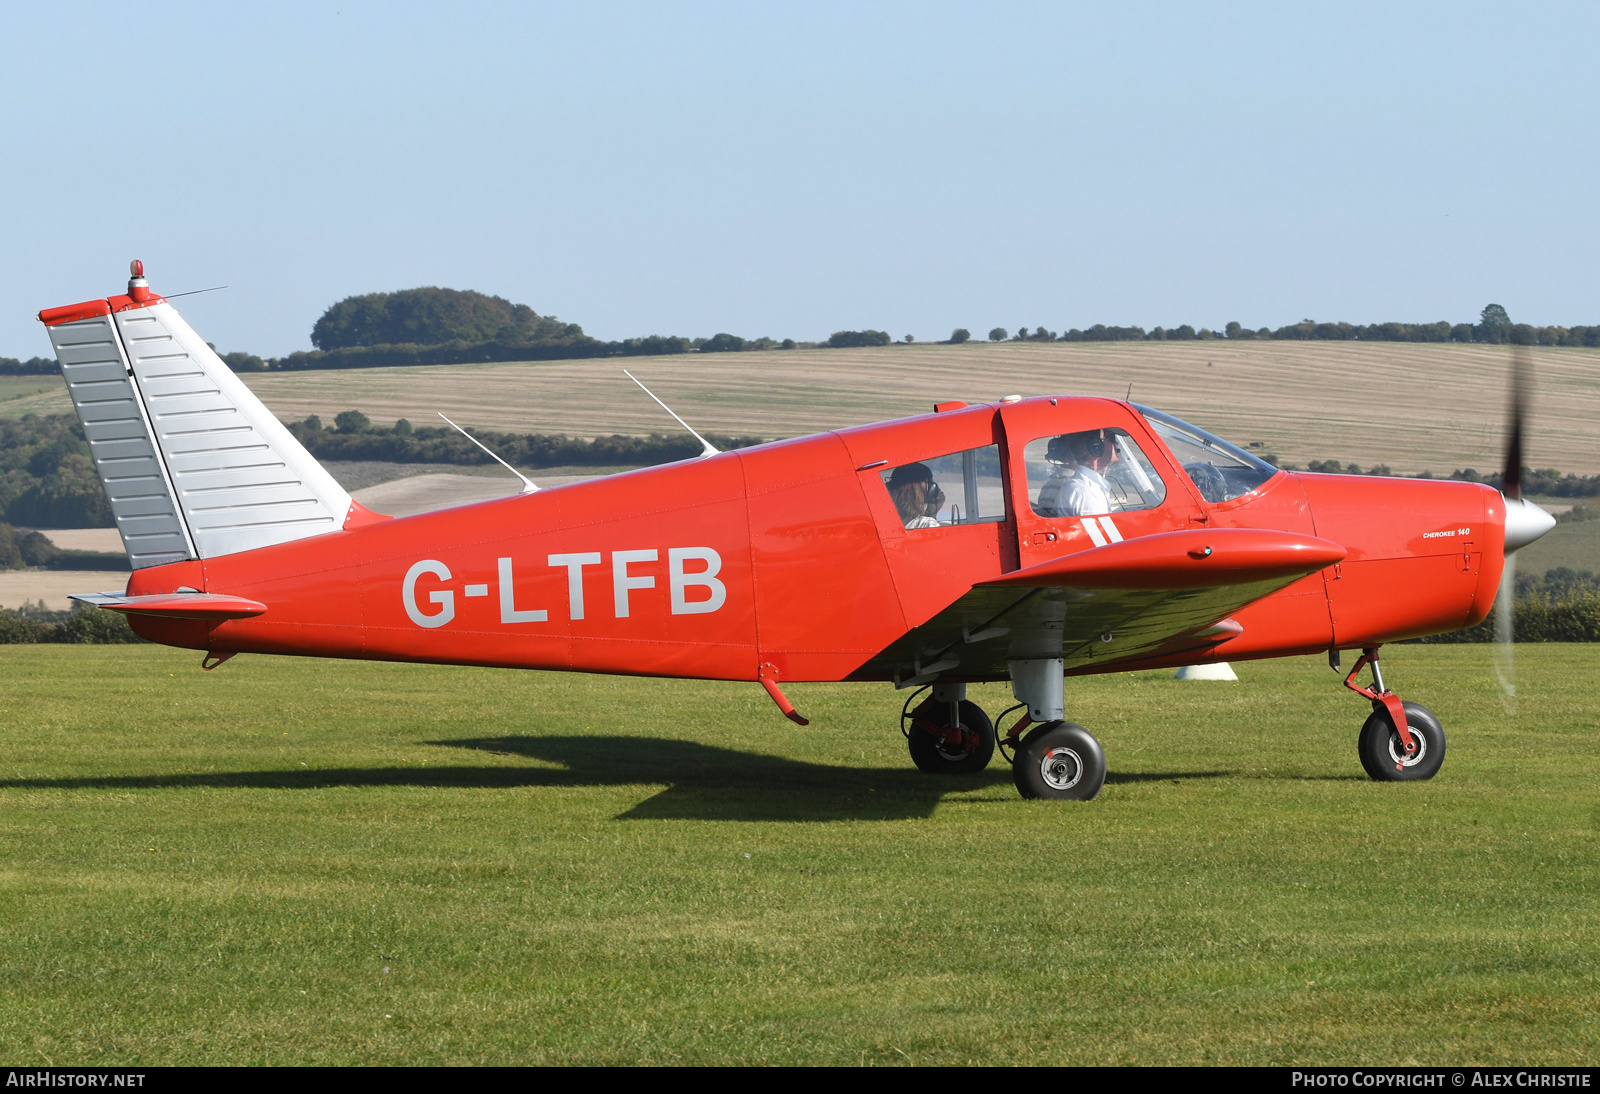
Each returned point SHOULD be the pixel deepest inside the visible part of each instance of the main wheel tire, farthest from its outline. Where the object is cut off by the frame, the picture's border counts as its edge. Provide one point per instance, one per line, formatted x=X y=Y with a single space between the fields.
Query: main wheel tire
x=1382 y=756
x=1059 y=760
x=938 y=757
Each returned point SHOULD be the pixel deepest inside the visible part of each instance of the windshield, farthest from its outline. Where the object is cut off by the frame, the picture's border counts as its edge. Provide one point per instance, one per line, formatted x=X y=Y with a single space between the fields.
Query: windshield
x=1219 y=470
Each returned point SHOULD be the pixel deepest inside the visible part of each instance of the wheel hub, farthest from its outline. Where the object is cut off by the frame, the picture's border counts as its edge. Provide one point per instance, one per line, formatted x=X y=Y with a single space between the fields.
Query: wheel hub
x=1061 y=768
x=1397 y=751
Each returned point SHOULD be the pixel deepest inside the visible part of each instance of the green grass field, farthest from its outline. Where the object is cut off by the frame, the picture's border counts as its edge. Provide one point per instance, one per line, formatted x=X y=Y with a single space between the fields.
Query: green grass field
x=295 y=861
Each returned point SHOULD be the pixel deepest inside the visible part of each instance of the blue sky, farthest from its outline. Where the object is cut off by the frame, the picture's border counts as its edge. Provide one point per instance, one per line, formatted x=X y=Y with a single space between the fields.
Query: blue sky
x=791 y=171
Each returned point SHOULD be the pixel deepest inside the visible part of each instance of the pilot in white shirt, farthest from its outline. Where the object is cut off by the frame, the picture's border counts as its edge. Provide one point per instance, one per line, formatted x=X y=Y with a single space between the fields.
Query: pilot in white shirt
x=1077 y=485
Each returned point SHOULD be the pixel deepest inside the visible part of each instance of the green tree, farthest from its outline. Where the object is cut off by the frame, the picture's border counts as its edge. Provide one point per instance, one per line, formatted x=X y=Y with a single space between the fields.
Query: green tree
x=1494 y=325
x=844 y=339
x=432 y=316
x=998 y=334
x=68 y=497
x=722 y=343
x=352 y=421
x=244 y=362
x=960 y=335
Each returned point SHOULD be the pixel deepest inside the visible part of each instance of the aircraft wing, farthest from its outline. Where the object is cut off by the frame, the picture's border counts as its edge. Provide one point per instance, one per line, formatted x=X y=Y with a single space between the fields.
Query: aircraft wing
x=1143 y=597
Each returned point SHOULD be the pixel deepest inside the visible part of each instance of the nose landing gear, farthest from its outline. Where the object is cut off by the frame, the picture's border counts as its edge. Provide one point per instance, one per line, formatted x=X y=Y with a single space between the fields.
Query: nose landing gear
x=1399 y=742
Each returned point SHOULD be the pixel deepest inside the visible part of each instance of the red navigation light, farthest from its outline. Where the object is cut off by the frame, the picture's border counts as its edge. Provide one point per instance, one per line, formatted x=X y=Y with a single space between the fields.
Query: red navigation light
x=136 y=268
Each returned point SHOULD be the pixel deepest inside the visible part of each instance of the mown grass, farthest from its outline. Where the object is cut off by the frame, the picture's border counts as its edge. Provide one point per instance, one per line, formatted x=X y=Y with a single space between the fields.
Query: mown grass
x=295 y=861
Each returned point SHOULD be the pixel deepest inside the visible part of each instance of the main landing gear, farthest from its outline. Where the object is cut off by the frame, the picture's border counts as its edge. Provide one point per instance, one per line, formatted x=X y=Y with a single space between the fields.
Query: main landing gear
x=1399 y=742
x=947 y=734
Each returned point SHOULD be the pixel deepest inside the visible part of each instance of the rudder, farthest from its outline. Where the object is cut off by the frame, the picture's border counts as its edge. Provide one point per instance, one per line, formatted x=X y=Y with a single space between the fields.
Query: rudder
x=194 y=464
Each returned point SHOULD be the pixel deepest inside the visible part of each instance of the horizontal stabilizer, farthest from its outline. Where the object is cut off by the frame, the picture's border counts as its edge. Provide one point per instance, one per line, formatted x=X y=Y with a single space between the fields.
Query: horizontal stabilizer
x=212 y=607
x=1206 y=558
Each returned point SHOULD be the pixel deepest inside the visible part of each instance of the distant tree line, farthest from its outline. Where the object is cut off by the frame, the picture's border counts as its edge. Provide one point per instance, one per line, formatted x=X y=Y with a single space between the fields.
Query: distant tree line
x=1536 y=481
x=33 y=366
x=437 y=326
x=354 y=437
x=81 y=625
x=1494 y=326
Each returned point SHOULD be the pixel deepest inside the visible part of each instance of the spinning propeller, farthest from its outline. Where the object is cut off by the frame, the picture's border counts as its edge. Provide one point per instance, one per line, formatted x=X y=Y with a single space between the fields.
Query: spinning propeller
x=1525 y=522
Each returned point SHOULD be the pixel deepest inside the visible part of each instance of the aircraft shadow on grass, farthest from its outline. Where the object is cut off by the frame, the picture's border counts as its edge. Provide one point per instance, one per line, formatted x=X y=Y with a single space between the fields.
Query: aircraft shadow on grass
x=702 y=782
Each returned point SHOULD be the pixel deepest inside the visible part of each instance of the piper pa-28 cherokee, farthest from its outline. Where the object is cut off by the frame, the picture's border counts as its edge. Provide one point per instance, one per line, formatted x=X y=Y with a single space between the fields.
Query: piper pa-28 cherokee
x=1029 y=540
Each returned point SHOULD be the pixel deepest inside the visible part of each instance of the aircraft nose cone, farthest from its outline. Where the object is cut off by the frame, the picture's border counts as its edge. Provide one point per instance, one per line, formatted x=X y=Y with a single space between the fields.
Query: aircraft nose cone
x=1525 y=522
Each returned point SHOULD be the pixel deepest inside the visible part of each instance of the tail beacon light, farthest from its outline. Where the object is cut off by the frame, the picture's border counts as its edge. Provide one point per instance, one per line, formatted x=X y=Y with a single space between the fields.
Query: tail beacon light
x=194 y=464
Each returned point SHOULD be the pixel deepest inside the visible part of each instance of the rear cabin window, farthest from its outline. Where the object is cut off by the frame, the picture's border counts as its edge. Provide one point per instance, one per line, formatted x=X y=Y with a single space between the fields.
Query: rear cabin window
x=1219 y=470
x=961 y=488
x=1091 y=471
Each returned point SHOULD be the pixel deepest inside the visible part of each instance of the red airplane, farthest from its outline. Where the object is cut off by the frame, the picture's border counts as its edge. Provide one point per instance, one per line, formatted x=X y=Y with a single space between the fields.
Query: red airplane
x=1028 y=539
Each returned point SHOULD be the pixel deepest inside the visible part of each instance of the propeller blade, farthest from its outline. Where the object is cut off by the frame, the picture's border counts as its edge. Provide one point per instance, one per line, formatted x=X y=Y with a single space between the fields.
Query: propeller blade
x=1511 y=473
x=1504 y=638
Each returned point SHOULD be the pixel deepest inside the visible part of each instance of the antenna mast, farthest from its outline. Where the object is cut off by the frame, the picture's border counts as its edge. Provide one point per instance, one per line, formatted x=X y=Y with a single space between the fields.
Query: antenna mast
x=710 y=449
x=527 y=484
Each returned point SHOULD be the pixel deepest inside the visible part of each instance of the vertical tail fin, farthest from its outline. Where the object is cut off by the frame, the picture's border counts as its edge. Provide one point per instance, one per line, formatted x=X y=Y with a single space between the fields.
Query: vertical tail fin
x=195 y=465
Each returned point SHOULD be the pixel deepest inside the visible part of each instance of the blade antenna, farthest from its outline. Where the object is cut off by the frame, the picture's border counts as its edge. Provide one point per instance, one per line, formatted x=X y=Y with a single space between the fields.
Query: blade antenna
x=527 y=484
x=710 y=449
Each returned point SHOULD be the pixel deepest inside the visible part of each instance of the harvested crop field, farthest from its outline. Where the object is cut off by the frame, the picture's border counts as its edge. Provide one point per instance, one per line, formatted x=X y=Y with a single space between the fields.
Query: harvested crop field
x=53 y=588
x=1415 y=407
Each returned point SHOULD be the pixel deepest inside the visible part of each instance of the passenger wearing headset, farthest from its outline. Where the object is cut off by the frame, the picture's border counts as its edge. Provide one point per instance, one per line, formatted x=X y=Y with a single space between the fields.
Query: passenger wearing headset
x=917 y=498
x=1078 y=463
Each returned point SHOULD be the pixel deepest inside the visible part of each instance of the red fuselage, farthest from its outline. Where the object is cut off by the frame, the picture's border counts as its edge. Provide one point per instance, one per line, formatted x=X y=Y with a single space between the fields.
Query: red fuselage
x=792 y=556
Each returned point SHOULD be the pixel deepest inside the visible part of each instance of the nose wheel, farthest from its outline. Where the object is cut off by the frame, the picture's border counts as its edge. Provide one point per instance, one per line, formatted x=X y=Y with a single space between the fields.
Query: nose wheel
x=1387 y=759
x=1399 y=742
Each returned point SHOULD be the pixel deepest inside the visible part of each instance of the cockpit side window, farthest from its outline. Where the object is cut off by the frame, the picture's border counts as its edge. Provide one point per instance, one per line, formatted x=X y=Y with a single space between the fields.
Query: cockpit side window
x=1219 y=470
x=1092 y=471
x=961 y=488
